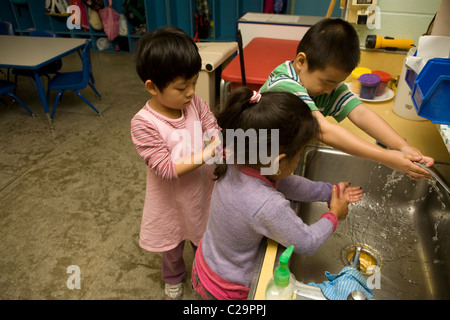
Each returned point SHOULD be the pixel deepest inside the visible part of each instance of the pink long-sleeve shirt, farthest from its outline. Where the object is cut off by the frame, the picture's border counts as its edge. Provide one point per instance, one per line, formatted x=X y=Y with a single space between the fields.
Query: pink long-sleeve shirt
x=175 y=208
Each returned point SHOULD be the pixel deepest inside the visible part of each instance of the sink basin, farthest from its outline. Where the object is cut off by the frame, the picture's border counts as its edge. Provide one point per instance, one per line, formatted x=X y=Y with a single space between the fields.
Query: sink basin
x=404 y=224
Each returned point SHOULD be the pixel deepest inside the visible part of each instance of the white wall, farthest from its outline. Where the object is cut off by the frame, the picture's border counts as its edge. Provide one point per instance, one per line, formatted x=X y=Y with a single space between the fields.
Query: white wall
x=403 y=19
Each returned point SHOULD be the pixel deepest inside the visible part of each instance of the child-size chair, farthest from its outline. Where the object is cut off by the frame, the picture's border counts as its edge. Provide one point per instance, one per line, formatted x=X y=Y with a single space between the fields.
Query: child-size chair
x=75 y=81
x=51 y=68
x=6 y=28
x=5 y=89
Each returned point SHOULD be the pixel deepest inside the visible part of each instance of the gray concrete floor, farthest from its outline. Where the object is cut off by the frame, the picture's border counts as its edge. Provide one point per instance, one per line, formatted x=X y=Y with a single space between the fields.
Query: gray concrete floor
x=74 y=196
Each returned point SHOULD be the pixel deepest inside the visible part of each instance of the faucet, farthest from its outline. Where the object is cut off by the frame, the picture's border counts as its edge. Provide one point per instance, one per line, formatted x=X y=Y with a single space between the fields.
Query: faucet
x=436 y=175
x=354 y=260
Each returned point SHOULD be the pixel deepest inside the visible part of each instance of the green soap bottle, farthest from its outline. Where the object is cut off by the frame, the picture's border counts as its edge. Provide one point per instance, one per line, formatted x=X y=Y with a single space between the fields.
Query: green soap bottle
x=281 y=286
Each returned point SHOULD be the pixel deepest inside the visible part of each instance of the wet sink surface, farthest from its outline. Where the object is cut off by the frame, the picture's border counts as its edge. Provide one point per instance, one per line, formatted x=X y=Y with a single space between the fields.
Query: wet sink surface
x=406 y=222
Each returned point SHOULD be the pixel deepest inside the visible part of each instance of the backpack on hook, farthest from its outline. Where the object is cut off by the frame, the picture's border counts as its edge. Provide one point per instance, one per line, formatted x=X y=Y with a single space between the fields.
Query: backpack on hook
x=56 y=8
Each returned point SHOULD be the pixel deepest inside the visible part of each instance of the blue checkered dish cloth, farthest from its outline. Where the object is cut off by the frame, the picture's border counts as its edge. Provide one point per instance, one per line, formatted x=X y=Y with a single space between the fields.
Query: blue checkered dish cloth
x=341 y=285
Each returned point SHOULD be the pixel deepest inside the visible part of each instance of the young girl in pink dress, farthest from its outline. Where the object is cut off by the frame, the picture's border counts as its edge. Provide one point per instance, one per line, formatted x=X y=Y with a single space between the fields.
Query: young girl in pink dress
x=168 y=134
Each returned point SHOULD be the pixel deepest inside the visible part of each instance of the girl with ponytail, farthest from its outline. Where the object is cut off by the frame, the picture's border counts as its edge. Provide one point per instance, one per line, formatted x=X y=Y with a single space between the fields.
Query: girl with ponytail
x=250 y=200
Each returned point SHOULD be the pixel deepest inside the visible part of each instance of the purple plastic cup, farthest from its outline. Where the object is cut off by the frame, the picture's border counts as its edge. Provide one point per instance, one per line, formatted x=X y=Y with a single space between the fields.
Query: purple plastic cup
x=369 y=85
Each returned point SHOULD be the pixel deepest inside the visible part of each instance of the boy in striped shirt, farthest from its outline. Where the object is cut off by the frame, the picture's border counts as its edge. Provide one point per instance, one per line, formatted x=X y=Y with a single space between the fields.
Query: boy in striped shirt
x=326 y=55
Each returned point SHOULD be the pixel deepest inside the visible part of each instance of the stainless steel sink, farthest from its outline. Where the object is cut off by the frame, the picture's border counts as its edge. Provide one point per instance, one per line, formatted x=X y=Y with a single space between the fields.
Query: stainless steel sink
x=403 y=222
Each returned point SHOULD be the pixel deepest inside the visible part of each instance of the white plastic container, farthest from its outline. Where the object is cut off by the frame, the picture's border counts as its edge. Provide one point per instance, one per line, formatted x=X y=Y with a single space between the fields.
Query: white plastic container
x=403 y=104
x=276 y=292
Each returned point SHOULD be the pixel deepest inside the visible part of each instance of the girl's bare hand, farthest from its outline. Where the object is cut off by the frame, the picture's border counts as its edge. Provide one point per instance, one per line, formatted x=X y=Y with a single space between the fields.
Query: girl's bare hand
x=351 y=194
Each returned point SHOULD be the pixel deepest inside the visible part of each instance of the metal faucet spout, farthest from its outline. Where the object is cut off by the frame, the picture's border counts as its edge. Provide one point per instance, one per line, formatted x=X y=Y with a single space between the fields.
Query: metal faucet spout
x=436 y=175
x=354 y=260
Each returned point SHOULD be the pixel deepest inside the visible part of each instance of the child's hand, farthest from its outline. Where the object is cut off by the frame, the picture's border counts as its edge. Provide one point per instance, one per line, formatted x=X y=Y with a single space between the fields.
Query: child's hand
x=402 y=161
x=415 y=155
x=340 y=199
x=351 y=194
x=210 y=149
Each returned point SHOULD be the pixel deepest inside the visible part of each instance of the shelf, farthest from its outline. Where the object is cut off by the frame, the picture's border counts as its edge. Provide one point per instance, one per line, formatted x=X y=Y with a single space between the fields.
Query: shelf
x=180 y=13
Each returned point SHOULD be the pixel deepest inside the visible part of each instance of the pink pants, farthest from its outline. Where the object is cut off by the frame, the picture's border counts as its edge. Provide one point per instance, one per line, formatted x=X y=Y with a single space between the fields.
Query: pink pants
x=172 y=264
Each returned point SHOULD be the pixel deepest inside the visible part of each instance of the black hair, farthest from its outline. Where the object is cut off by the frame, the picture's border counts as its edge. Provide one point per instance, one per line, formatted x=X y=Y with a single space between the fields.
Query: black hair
x=275 y=110
x=165 y=54
x=331 y=42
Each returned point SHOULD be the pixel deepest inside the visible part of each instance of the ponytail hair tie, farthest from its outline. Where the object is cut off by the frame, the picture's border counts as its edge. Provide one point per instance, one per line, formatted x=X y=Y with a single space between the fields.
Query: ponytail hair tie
x=255 y=97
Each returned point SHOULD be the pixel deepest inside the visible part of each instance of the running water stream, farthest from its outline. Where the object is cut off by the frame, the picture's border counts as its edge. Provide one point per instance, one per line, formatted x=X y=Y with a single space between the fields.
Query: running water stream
x=406 y=221
x=388 y=223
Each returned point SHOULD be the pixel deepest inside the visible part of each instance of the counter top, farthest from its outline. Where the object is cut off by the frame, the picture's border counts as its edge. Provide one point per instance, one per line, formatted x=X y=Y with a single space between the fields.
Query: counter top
x=424 y=135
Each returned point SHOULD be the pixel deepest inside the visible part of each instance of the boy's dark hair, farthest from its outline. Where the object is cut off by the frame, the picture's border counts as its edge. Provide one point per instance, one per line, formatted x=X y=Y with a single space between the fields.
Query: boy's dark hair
x=331 y=42
x=165 y=54
x=276 y=110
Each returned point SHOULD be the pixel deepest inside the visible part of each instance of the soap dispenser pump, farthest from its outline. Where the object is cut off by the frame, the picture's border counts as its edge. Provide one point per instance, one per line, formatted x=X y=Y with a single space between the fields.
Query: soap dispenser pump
x=281 y=285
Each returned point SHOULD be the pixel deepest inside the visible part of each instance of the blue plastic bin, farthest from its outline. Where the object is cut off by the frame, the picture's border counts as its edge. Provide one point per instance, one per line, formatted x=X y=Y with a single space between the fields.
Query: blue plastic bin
x=431 y=93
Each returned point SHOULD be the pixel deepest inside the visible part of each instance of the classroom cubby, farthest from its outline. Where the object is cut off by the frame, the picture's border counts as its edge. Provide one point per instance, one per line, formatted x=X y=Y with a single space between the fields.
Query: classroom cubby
x=28 y=15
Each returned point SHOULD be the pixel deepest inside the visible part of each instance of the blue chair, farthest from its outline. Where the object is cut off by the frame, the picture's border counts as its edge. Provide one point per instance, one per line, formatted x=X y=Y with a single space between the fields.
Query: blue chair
x=55 y=66
x=75 y=81
x=6 y=28
x=5 y=89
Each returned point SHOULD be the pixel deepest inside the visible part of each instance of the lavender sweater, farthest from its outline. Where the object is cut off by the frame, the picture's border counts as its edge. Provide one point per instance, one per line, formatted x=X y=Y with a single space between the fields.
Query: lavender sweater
x=245 y=209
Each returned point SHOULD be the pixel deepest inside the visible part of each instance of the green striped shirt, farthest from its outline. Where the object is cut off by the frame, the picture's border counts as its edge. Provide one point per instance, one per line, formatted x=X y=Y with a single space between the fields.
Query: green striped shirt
x=337 y=104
